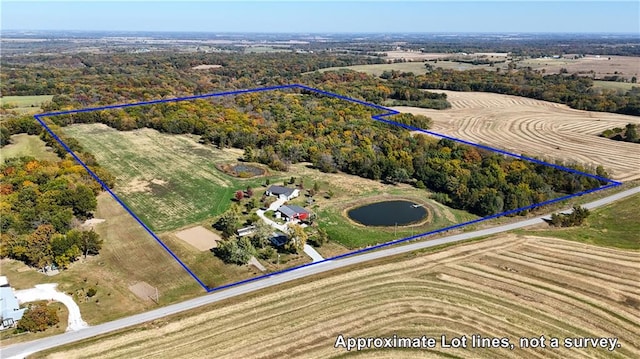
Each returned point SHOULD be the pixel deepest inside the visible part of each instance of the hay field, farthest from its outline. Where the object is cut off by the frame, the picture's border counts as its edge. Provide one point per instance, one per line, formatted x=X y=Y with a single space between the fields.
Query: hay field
x=623 y=66
x=169 y=181
x=537 y=128
x=378 y=69
x=507 y=286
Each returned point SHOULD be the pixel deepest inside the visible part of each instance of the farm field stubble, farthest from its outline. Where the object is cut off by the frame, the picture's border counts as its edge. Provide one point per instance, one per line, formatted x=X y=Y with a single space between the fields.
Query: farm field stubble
x=513 y=286
x=543 y=129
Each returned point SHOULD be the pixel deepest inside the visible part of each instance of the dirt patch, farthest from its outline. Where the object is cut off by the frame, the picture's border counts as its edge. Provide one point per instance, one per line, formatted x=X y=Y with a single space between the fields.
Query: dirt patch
x=200 y=238
x=206 y=67
x=136 y=186
x=91 y=223
x=548 y=130
x=143 y=290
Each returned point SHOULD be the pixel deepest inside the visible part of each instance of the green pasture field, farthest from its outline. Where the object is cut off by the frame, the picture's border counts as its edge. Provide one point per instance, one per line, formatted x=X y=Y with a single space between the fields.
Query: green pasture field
x=616 y=225
x=24 y=104
x=614 y=85
x=168 y=181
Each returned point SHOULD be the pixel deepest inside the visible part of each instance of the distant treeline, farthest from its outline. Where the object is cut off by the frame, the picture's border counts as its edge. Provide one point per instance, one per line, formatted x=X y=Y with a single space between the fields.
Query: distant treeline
x=90 y=80
x=282 y=128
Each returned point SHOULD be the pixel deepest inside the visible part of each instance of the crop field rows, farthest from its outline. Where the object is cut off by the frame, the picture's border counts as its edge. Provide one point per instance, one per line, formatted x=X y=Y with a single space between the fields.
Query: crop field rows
x=537 y=128
x=508 y=286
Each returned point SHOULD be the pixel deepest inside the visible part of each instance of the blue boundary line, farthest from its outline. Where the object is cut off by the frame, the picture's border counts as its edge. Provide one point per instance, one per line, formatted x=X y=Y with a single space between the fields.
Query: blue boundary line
x=379 y=117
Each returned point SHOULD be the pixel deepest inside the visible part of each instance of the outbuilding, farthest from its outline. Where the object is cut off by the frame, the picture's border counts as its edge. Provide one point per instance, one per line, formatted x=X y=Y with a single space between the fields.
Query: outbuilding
x=291 y=212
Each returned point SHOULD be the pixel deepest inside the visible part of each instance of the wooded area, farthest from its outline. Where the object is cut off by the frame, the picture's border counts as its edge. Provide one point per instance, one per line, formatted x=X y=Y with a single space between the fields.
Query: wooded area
x=43 y=203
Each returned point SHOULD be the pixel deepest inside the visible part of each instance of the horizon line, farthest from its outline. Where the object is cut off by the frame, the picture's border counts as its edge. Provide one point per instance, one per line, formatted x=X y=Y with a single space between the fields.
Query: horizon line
x=334 y=32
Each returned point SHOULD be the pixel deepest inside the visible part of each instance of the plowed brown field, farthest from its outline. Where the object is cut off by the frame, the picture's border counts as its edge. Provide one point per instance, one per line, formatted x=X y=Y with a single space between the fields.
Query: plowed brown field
x=508 y=286
x=537 y=128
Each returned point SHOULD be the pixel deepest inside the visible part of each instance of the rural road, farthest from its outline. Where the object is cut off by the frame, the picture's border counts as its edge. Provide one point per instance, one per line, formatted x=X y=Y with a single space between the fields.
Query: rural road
x=23 y=349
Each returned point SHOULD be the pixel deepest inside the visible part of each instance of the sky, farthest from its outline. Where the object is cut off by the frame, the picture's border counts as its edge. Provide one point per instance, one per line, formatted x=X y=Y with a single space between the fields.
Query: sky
x=325 y=16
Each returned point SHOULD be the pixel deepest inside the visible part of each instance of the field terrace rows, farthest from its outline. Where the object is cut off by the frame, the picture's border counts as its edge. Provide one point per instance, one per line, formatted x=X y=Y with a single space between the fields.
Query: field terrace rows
x=509 y=286
x=537 y=128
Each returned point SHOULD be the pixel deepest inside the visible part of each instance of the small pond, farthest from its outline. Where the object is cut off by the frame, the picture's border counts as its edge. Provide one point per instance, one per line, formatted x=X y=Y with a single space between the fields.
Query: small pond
x=388 y=213
x=242 y=170
x=251 y=170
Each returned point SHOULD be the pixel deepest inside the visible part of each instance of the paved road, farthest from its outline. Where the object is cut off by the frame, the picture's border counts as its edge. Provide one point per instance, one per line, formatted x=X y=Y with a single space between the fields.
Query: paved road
x=23 y=349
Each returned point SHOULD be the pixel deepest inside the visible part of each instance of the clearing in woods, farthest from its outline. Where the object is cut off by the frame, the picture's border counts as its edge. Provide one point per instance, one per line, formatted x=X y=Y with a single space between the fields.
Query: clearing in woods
x=544 y=129
x=622 y=66
x=28 y=145
x=24 y=104
x=507 y=286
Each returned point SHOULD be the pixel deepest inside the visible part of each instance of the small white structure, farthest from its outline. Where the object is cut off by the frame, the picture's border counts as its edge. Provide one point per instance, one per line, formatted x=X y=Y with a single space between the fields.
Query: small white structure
x=246 y=231
x=283 y=192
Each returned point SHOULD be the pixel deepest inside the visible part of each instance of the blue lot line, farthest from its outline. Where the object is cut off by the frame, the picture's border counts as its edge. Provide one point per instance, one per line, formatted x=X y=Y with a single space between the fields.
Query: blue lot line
x=379 y=117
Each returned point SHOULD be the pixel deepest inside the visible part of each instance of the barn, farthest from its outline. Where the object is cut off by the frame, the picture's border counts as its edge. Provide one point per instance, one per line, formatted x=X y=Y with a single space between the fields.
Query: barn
x=291 y=212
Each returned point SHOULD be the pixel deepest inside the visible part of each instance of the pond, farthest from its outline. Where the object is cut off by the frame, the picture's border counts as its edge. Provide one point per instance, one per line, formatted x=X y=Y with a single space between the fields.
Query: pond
x=388 y=213
x=242 y=170
x=251 y=171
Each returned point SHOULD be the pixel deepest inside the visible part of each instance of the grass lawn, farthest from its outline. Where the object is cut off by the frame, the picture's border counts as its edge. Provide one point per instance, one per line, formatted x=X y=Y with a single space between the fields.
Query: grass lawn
x=129 y=255
x=347 y=233
x=169 y=181
x=24 y=104
x=27 y=145
x=616 y=225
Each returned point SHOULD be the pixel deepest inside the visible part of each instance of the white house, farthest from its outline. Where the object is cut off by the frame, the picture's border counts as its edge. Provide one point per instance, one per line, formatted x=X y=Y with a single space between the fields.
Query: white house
x=10 y=311
x=283 y=192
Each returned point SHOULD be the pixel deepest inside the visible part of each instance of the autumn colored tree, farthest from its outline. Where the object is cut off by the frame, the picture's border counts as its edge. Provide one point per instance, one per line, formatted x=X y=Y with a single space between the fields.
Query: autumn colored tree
x=297 y=238
x=38 y=317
